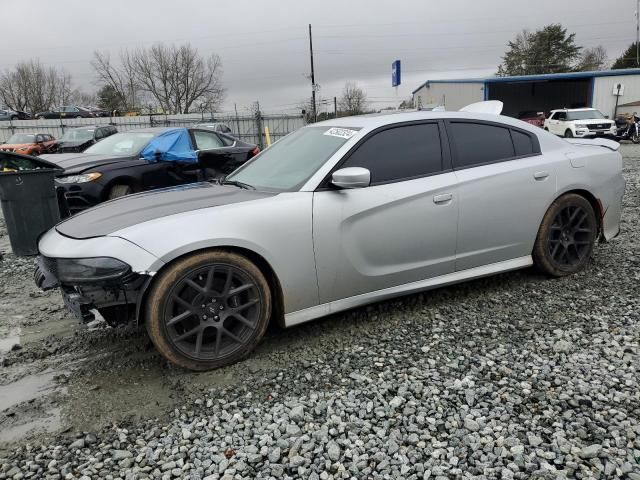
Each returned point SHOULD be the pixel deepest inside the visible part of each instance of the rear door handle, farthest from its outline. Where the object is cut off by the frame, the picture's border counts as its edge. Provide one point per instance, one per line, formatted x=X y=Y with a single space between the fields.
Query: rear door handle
x=541 y=175
x=444 y=198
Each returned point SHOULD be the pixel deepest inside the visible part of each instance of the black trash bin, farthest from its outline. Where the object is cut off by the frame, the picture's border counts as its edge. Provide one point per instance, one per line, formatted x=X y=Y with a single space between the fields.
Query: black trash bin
x=29 y=200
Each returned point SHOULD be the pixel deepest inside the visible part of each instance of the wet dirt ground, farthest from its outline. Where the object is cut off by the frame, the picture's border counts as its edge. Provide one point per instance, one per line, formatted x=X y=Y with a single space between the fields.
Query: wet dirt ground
x=58 y=377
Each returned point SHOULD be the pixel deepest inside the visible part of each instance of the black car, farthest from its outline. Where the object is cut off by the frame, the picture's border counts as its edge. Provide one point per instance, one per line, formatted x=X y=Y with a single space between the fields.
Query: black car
x=97 y=111
x=146 y=159
x=79 y=139
x=67 y=111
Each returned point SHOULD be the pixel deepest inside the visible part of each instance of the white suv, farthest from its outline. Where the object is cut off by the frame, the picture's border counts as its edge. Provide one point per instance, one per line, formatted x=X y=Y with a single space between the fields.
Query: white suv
x=579 y=122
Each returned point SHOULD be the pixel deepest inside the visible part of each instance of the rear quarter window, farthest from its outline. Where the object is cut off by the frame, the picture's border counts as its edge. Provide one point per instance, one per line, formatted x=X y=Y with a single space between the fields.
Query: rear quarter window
x=523 y=143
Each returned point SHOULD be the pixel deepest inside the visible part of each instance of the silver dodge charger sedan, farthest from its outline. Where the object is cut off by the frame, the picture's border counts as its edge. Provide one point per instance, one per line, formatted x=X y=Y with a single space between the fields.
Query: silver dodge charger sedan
x=335 y=215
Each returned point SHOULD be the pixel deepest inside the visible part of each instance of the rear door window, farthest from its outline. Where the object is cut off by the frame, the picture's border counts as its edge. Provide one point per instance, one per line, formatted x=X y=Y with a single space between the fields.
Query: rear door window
x=206 y=140
x=400 y=153
x=561 y=116
x=479 y=143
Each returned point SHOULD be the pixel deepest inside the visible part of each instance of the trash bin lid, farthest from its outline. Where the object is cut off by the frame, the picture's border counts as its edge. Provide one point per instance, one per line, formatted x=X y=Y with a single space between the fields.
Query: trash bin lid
x=11 y=162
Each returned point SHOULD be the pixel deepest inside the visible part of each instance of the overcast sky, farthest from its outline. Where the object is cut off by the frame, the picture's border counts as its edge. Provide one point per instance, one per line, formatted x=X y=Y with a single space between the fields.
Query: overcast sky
x=265 y=48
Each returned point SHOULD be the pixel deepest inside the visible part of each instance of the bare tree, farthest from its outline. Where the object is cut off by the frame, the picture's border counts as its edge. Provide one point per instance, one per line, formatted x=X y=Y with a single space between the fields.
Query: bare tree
x=592 y=59
x=353 y=100
x=33 y=88
x=178 y=78
x=120 y=78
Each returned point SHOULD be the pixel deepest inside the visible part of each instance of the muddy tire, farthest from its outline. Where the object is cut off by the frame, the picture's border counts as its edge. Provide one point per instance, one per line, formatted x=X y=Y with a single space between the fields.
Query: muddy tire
x=208 y=310
x=119 y=191
x=566 y=236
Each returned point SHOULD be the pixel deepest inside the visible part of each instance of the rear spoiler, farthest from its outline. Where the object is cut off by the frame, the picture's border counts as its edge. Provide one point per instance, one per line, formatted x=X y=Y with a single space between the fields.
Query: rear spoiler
x=597 y=142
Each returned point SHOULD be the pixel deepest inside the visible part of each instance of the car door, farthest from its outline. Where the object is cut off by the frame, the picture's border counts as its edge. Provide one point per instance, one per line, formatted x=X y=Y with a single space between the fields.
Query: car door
x=216 y=157
x=505 y=185
x=561 y=123
x=398 y=230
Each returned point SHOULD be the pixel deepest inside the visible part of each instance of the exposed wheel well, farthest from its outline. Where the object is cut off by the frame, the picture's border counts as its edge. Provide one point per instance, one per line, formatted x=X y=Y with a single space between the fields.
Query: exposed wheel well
x=277 y=314
x=121 y=181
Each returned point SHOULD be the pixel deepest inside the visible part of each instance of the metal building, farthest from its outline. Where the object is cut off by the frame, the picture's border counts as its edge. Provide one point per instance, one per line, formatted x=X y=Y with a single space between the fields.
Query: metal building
x=536 y=92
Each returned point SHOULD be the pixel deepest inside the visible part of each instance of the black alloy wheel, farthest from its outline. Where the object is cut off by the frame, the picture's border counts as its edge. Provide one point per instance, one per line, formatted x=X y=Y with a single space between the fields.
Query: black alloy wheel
x=212 y=311
x=567 y=236
x=209 y=310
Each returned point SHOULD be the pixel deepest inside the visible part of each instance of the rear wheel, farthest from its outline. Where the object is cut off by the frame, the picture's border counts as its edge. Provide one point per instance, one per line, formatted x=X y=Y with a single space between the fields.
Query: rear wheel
x=566 y=237
x=119 y=191
x=568 y=133
x=208 y=310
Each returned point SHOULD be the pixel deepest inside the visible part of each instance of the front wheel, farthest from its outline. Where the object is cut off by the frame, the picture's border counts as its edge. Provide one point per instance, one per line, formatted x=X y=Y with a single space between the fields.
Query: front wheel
x=208 y=310
x=635 y=137
x=566 y=236
x=568 y=133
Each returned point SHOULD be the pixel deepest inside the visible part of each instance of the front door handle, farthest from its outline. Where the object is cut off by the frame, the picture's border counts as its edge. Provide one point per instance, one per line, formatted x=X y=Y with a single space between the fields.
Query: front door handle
x=444 y=198
x=541 y=175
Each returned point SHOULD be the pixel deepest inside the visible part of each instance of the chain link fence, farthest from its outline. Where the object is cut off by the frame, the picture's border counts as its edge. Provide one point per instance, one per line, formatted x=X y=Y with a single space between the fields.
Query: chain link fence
x=248 y=128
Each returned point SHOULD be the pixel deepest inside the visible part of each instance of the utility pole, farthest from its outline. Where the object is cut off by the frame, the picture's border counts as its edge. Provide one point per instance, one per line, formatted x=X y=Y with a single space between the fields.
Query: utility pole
x=314 y=113
x=335 y=107
x=637 y=32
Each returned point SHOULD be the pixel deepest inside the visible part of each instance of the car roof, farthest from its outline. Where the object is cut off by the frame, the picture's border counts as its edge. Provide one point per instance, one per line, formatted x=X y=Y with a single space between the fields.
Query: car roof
x=151 y=130
x=585 y=109
x=380 y=120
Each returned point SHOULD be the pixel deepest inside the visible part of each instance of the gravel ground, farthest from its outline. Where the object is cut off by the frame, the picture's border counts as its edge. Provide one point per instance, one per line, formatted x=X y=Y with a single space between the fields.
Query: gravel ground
x=514 y=376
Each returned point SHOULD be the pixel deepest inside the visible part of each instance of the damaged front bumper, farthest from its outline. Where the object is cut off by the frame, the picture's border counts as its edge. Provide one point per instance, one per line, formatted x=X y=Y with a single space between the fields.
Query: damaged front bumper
x=118 y=301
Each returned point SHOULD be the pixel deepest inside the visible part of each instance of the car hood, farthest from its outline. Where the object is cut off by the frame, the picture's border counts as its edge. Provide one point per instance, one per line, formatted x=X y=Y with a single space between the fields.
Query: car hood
x=78 y=162
x=124 y=212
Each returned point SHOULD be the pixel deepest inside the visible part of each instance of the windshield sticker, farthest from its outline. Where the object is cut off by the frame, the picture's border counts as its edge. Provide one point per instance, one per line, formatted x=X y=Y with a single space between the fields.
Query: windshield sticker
x=341 y=132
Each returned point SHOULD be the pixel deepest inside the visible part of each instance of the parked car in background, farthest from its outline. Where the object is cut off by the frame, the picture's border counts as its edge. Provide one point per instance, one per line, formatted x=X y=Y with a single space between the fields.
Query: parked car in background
x=532 y=117
x=68 y=111
x=81 y=138
x=579 y=122
x=336 y=215
x=146 y=159
x=8 y=114
x=97 y=111
x=216 y=127
x=30 y=143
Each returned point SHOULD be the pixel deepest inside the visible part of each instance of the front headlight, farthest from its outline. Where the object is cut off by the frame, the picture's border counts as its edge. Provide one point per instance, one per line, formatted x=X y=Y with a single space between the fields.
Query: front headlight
x=83 y=178
x=83 y=270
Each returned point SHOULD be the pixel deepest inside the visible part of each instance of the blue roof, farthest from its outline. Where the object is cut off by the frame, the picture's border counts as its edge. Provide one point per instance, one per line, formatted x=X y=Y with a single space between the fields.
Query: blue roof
x=538 y=78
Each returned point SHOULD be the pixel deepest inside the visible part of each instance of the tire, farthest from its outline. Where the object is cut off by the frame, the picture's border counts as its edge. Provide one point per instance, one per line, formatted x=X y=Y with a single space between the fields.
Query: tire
x=119 y=191
x=185 y=310
x=39 y=117
x=568 y=133
x=546 y=129
x=15 y=117
x=635 y=137
x=566 y=236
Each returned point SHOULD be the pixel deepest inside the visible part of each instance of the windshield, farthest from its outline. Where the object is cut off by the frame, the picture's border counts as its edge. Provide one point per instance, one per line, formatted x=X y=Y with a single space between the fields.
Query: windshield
x=77 y=135
x=122 y=144
x=22 y=138
x=584 y=115
x=291 y=161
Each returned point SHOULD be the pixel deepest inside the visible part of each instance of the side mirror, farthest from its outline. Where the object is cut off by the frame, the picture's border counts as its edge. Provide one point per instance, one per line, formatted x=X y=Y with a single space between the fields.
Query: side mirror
x=158 y=155
x=351 y=177
x=606 y=116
